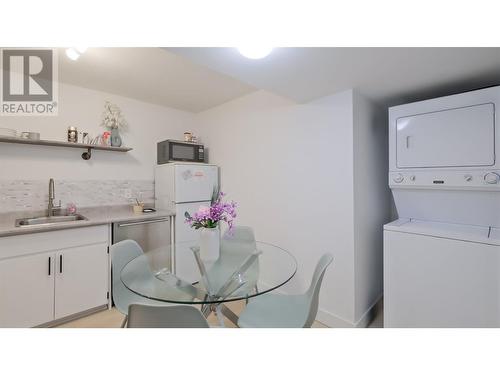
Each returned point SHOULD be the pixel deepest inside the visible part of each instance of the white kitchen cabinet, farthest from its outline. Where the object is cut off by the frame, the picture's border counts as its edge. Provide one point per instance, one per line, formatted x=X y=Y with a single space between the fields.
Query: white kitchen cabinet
x=27 y=290
x=33 y=294
x=81 y=279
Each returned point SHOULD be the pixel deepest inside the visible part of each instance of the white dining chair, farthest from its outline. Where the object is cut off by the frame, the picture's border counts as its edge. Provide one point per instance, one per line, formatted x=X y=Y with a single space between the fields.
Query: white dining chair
x=286 y=311
x=236 y=245
x=175 y=316
x=238 y=234
x=122 y=253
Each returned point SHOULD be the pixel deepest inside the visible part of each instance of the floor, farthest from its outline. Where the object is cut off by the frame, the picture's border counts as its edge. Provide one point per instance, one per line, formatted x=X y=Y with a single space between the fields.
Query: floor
x=113 y=319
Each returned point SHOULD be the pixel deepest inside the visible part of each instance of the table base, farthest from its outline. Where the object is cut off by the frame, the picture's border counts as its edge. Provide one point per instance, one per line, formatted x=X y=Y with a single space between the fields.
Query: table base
x=220 y=310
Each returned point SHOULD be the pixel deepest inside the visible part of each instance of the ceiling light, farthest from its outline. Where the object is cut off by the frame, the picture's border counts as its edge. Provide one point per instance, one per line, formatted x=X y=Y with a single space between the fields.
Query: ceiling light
x=74 y=53
x=255 y=52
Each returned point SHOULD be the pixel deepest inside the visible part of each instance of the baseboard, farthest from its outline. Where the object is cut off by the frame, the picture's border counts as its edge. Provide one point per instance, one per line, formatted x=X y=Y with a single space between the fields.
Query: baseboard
x=333 y=321
x=79 y=315
x=369 y=314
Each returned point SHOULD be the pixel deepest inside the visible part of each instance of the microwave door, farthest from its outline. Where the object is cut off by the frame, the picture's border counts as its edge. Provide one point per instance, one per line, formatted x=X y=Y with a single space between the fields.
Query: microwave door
x=182 y=152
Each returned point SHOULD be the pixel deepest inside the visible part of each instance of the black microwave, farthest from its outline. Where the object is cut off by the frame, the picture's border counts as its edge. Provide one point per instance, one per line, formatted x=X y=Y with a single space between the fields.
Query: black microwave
x=171 y=150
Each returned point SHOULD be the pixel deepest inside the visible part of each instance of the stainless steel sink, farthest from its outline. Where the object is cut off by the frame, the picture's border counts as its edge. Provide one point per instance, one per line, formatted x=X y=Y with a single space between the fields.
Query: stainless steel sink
x=48 y=220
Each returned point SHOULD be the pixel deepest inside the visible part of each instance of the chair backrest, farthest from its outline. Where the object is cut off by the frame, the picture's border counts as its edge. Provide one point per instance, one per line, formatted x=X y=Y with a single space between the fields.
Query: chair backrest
x=122 y=253
x=313 y=291
x=240 y=233
x=175 y=316
x=239 y=240
x=236 y=246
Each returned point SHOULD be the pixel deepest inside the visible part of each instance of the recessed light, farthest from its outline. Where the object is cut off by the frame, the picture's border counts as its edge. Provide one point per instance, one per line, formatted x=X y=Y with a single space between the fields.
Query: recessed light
x=255 y=52
x=74 y=53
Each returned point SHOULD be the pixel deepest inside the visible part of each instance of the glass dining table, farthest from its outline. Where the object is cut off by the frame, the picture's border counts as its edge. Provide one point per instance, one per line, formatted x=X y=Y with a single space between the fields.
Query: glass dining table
x=241 y=271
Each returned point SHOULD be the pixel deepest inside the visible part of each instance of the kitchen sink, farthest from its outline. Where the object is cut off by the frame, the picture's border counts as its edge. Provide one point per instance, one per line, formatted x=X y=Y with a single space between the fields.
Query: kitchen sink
x=48 y=220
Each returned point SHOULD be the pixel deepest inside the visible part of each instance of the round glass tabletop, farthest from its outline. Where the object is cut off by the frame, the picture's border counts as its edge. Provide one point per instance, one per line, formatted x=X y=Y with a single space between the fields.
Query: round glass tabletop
x=242 y=270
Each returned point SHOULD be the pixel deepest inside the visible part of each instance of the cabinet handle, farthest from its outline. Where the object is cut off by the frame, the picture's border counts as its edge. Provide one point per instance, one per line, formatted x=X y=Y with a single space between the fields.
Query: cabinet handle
x=60 y=263
x=143 y=222
x=50 y=264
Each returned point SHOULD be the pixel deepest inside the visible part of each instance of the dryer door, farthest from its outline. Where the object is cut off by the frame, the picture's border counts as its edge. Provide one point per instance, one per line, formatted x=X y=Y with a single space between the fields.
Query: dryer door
x=459 y=137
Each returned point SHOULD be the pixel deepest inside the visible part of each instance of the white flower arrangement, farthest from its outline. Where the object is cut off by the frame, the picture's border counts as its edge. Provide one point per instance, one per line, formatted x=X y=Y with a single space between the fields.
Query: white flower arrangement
x=112 y=117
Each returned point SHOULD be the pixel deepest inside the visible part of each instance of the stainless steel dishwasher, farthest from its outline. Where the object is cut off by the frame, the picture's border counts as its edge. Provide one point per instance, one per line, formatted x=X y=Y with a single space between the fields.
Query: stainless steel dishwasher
x=150 y=234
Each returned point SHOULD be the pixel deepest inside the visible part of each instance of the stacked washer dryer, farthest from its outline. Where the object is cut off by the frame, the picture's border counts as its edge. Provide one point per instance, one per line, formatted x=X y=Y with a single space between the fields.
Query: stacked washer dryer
x=442 y=256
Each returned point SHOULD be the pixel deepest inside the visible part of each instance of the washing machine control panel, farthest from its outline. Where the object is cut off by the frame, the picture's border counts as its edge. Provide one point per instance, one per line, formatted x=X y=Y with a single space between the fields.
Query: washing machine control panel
x=481 y=180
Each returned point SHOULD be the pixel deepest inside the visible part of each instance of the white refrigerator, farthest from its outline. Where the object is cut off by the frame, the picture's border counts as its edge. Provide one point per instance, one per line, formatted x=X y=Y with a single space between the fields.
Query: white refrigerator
x=185 y=187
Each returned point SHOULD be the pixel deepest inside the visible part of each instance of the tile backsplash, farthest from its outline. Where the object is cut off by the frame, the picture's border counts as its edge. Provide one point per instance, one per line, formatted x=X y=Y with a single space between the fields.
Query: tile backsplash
x=30 y=195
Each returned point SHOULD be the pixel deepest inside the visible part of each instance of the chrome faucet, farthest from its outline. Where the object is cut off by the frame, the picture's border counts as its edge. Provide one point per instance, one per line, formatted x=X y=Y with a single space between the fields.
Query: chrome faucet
x=52 y=196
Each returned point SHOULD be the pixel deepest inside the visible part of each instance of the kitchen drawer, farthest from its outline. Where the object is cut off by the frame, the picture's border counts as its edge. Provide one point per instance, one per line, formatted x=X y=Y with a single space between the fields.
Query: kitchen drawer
x=54 y=240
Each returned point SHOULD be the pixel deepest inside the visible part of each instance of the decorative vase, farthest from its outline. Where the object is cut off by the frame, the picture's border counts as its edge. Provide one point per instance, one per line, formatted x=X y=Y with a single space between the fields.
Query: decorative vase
x=116 y=140
x=209 y=244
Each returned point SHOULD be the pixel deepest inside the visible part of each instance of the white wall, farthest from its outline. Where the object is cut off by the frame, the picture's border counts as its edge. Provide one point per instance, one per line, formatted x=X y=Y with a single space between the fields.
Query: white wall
x=290 y=169
x=82 y=108
x=372 y=201
x=310 y=178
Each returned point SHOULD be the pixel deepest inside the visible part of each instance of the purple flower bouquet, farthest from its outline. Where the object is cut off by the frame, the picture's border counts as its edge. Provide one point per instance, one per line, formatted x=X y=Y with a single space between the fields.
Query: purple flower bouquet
x=209 y=217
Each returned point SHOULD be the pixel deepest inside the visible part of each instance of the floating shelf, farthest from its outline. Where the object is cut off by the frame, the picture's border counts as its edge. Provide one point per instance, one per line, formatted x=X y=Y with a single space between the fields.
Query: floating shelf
x=86 y=155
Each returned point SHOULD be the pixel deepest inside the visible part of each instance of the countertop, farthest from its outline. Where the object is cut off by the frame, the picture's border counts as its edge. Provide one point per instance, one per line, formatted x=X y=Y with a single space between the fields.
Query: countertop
x=95 y=216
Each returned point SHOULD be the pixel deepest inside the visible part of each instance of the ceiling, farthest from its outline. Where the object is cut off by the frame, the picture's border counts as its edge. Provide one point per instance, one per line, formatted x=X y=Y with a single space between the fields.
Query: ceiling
x=387 y=75
x=196 y=79
x=152 y=75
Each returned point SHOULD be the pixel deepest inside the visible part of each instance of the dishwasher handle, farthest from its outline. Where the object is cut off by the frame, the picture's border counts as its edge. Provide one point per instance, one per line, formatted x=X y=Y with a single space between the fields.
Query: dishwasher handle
x=143 y=222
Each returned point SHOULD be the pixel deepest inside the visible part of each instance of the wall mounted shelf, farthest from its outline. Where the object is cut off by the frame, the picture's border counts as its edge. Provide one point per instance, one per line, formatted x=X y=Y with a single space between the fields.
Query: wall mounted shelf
x=86 y=155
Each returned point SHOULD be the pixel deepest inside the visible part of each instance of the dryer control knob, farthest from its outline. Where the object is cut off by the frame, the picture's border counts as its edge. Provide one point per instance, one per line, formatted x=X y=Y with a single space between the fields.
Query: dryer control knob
x=491 y=178
x=398 y=178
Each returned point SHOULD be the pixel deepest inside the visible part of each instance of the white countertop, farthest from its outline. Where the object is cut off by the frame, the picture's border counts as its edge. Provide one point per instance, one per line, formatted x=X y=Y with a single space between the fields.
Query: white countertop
x=95 y=216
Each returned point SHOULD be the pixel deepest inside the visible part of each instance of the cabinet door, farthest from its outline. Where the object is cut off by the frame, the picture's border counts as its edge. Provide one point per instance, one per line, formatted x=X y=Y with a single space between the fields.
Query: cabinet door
x=27 y=290
x=81 y=279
